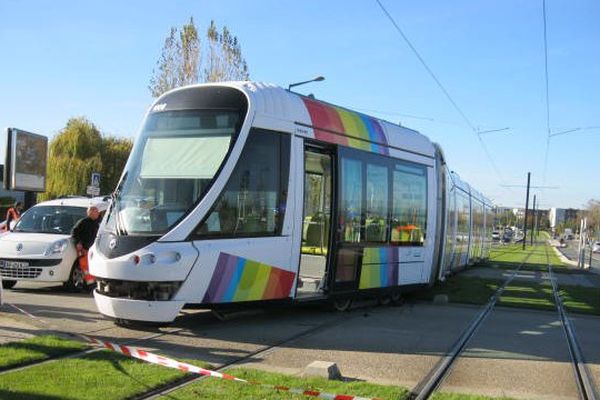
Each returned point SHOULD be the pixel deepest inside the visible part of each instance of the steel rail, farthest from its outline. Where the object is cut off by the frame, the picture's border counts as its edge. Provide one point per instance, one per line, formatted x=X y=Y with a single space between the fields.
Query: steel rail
x=585 y=382
x=168 y=388
x=424 y=389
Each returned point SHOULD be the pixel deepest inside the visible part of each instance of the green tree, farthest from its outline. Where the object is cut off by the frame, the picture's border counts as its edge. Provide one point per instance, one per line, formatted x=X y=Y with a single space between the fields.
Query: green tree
x=182 y=58
x=114 y=154
x=77 y=151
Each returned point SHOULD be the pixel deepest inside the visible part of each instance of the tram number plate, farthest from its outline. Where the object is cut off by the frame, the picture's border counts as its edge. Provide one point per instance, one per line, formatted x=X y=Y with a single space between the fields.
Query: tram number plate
x=13 y=264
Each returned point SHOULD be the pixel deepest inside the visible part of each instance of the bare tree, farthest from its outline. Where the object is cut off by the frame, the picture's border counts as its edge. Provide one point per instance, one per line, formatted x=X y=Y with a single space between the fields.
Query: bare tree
x=167 y=76
x=182 y=58
x=593 y=215
x=225 y=60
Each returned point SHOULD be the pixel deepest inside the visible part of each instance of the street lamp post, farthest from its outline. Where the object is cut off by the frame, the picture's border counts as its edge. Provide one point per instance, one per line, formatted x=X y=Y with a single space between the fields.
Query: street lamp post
x=316 y=79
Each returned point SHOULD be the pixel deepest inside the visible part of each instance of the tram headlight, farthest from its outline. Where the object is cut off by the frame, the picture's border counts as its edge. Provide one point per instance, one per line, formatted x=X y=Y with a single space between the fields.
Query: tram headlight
x=57 y=247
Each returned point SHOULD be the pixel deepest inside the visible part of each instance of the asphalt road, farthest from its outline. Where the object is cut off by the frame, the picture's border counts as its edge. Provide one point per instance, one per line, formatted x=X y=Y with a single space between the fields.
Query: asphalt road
x=571 y=252
x=517 y=353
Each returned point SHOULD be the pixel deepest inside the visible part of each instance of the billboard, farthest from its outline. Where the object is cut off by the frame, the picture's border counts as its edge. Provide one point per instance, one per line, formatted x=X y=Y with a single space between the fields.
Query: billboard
x=26 y=159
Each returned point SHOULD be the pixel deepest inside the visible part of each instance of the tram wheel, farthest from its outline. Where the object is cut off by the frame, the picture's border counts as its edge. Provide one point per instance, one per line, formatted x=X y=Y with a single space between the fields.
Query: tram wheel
x=218 y=315
x=384 y=300
x=342 y=304
x=396 y=297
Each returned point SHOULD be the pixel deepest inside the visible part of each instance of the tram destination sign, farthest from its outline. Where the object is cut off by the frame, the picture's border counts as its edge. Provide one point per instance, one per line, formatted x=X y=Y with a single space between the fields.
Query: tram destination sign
x=26 y=161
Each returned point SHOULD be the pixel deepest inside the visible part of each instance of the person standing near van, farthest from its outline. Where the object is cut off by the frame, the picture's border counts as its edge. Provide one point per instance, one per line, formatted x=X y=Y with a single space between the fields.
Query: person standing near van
x=13 y=214
x=84 y=232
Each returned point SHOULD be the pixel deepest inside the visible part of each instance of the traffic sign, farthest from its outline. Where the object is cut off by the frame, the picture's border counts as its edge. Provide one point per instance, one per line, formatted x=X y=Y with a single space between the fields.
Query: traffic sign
x=95 y=179
x=93 y=190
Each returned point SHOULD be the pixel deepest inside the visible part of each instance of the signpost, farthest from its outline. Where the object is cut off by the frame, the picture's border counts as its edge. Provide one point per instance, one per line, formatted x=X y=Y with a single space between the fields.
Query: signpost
x=25 y=163
x=94 y=188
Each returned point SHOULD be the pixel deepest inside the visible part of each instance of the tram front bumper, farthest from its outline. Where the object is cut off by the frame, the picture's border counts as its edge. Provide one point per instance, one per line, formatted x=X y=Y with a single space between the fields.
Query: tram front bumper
x=138 y=310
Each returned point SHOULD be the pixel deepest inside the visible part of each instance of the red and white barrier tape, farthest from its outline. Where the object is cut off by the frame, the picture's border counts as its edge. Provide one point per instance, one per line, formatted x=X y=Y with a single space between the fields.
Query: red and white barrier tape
x=136 y=352
x=152 y=358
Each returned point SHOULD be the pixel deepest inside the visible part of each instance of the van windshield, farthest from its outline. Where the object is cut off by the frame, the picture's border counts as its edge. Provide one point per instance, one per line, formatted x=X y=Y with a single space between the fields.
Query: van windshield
x=174 y=161
x=50 y=219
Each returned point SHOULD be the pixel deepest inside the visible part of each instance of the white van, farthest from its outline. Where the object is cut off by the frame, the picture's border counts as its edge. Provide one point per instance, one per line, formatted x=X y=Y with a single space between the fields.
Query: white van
x=40 y=247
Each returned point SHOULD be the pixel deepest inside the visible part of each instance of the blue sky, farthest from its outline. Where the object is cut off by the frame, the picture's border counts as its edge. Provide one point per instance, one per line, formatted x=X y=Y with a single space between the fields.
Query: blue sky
x=62 y=59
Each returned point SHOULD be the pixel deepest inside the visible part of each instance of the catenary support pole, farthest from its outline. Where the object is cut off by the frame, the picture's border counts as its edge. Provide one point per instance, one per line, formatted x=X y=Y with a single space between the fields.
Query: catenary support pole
x=532 y=233
x=526 y=207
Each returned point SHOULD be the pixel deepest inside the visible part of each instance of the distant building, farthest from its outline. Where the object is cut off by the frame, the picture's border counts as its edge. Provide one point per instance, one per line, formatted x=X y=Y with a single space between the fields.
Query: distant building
x=557 y=216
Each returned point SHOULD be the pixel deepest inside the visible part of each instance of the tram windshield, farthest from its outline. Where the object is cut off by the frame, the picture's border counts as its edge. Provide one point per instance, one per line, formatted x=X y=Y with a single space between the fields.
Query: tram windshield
x=173 y=163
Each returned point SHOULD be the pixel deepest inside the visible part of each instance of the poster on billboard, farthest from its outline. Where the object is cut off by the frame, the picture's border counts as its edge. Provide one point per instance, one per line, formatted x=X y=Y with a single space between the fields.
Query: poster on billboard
x=26 y=159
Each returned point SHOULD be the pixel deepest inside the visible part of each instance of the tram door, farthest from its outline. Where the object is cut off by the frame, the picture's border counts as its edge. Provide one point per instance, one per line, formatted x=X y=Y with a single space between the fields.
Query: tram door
x=318 y=187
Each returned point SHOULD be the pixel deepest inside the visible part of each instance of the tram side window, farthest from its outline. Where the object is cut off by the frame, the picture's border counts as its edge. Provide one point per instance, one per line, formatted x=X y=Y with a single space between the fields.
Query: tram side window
x=351 y=201
x=409 y=206
x=253 y=201
x=377 y=203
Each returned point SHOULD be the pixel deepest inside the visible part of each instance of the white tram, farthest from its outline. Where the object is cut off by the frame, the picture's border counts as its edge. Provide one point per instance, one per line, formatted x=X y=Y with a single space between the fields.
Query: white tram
x=243 y=192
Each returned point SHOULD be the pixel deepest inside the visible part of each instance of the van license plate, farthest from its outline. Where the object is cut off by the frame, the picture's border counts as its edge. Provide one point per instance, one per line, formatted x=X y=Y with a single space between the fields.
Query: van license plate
x=14 y=264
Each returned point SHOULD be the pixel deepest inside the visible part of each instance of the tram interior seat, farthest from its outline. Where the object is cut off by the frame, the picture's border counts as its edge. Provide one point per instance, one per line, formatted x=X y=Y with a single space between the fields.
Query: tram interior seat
x=375 y=229
x=315 y=235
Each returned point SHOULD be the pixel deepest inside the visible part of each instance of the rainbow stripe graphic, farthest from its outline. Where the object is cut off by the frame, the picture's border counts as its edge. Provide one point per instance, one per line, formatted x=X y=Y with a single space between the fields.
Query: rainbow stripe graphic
x=336 y=125
x=379 y=267
x=239 y=279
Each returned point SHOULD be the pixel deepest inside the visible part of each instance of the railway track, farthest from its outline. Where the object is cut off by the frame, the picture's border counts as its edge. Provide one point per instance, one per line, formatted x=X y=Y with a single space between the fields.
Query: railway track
x=429 y=384
x=585 y=383
x=166 y=390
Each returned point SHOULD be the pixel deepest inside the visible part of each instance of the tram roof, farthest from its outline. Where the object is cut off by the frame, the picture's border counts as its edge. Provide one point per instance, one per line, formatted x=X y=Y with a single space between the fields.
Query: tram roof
x=276 y=106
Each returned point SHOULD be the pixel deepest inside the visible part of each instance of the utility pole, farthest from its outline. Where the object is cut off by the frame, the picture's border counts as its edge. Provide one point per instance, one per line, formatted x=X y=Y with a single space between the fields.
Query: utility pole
x=526 y=207
x=591 y=243
x=532 y=221
x=581 y=254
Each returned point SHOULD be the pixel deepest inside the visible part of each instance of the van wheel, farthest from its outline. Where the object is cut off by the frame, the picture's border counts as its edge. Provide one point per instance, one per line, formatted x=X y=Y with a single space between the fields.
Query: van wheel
x=76 y=282
x=7 y=284
x=342 y=304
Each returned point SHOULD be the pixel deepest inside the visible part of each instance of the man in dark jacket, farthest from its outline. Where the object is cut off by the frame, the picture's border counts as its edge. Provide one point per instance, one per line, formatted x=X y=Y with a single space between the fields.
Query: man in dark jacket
x=84 y=232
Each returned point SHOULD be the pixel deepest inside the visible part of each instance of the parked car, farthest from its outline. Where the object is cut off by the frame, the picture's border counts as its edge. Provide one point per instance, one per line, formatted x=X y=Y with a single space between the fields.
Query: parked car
x=596 y=247
x=496 y=236
x=40 y=247
x=507 y=235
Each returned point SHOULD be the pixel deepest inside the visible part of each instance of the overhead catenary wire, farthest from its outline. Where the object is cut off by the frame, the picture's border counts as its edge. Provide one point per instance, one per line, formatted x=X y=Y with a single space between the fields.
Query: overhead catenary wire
x=443 y=89
x=548 y=133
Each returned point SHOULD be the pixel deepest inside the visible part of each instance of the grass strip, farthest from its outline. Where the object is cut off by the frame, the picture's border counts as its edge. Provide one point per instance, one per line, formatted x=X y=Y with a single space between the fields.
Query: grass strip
x=580 y=299
x=211 y=388
x=462 y=396
x=522 y=294
x=102 y=375
x=533 y=295
x=461 y=289
x=535 y=268
x=539 y=254
x=36 y=349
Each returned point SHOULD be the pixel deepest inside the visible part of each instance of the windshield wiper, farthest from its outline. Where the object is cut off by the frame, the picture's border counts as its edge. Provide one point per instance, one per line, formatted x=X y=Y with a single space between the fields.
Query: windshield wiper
x=119 y=225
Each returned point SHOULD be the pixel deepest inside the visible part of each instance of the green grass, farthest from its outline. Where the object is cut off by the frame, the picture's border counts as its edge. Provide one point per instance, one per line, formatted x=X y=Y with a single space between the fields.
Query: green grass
x=579 y=299
x=461 y=289
x=528 y=295
x=459 y=396
x=538 y=254
x=101 y=375
x=36 y=349
x=211 y=388
x=534 y=258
